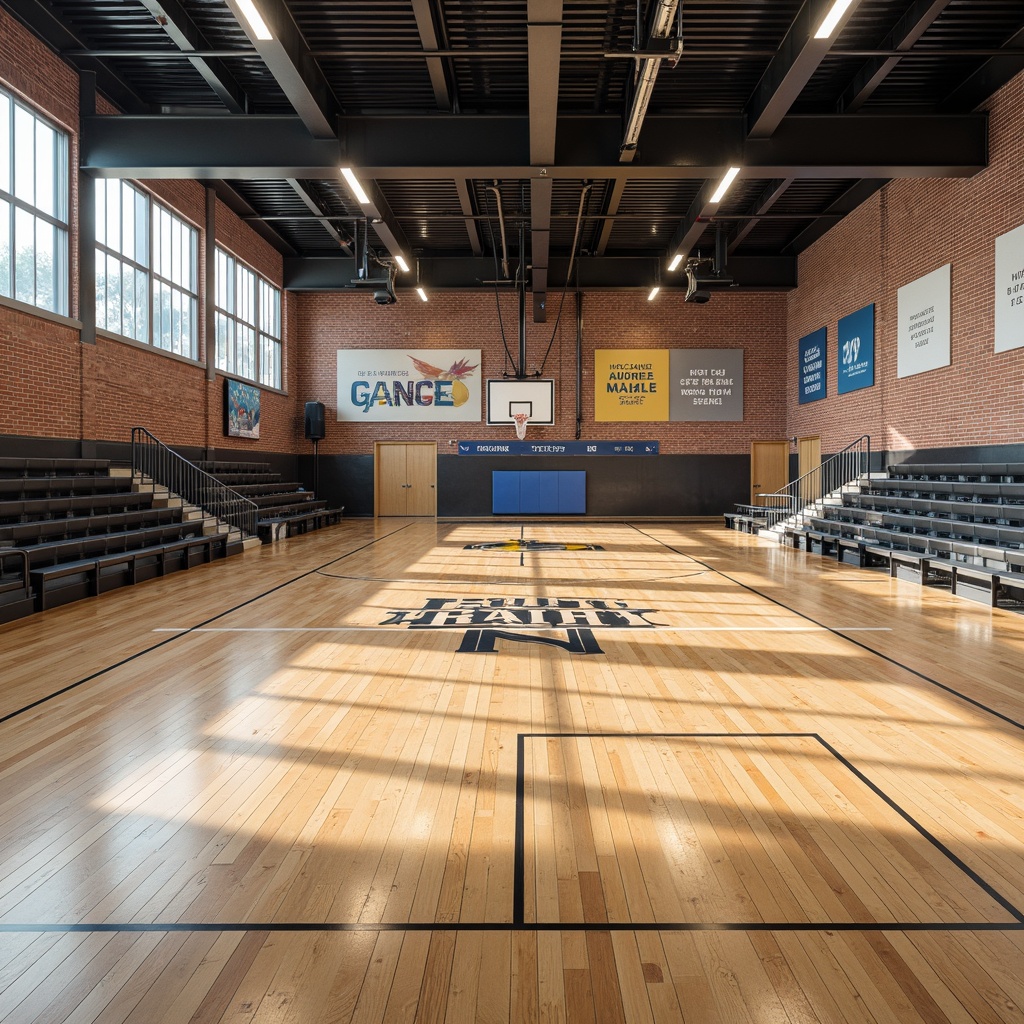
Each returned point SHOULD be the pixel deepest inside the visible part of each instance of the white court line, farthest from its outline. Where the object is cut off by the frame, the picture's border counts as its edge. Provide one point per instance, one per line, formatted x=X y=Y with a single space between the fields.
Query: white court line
x=537 y=628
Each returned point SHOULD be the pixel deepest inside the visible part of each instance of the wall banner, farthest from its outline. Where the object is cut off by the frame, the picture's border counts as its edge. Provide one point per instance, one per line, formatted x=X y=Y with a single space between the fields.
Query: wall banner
x=631 y=384
x=923 y=323
x=391 y=385
x=812 y=360
x=857 y=350
x=1009 y=304
x=707 y=384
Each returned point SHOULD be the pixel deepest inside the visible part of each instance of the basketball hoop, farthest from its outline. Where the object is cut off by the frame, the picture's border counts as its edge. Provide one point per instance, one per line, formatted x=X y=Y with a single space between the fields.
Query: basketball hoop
x=521 y=419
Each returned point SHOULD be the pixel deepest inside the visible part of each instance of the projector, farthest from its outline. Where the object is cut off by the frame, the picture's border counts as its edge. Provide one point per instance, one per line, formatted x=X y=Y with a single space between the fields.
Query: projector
x=384 y=297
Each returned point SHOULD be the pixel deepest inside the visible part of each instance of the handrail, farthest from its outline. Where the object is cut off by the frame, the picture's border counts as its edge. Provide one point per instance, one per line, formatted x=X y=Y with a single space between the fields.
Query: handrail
x=25 y=564
x=804 y=496
x=152 y=458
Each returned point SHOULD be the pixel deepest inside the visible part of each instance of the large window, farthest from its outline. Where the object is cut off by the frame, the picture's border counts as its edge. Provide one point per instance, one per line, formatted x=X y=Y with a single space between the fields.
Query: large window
x=248 y=317
x=146 y=270
x=33 y=208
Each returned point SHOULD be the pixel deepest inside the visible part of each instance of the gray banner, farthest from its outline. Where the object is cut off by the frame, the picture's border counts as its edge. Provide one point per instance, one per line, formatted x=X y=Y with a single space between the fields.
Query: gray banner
x=707 y=384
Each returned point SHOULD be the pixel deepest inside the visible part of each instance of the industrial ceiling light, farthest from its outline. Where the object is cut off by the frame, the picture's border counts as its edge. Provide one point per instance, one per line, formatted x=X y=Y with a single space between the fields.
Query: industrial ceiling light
x=723 y=185
x=255 y=19
x=353 y=183
x=654 y=291
x=400 y=260
x=421 y=293
x=676 y=260
x=828 y=26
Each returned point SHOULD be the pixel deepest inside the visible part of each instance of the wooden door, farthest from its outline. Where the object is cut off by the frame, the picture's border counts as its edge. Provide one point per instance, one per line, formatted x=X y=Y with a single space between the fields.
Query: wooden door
x=769 y=468
x=405 y=478
x=421 y=476
x=809 y=466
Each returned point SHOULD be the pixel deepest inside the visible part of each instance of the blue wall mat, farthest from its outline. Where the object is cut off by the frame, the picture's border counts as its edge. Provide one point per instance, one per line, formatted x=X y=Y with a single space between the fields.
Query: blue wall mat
x=572 y=491
x=504 y=493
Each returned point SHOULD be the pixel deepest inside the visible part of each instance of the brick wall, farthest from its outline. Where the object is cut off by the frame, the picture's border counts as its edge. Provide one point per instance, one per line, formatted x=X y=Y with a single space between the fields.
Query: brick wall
x=754 y=322
x=909 y=229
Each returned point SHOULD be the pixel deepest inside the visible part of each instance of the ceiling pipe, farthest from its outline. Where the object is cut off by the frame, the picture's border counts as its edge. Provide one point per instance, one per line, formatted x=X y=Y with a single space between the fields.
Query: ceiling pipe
x=645 y=76
x=501 y=223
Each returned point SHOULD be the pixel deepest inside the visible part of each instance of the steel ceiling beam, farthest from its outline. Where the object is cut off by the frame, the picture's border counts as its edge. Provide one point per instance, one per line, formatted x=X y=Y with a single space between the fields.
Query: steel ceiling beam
x=186 y=35
x=612 y=208
x=288 y=60
x=241 y=206
x=904 y=34
x=312 y=203
x=992 y=75
x=544 y=40
x=427 y=16
x=466 y=204
x=442 y=148
x=45 y=25
x=791 y=68
x=335 y=273
x=694 y=223
x=764 y=202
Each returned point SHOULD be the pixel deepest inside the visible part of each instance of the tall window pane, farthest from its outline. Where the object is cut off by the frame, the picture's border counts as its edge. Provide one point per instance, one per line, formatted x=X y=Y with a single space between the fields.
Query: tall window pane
x=248 y=319
x=33 y=208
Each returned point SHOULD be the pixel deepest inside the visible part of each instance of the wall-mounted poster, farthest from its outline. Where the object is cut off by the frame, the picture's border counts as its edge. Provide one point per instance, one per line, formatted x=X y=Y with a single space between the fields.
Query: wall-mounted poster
x=812 y=357
x=923 y=323
x=1009 y=302
x=708 y=384
x=241 y=410
x=396 y=384
x=631 y=384
x=857 y=350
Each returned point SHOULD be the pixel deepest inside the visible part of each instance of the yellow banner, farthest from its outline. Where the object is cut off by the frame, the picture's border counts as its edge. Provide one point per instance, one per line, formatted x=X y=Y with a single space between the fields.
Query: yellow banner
x=631 y=384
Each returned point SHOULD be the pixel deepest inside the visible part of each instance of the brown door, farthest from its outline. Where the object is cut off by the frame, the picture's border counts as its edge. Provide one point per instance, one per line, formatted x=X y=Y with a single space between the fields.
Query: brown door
x=808 y=451
x=769 y=468
x=405 y=478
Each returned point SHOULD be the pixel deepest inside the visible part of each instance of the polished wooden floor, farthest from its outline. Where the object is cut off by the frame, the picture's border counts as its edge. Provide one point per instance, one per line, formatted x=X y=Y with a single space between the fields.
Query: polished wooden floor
x=375 y=774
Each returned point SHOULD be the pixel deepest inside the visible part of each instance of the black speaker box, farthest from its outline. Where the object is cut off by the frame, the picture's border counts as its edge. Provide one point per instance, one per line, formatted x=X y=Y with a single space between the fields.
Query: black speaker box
x=315 y=421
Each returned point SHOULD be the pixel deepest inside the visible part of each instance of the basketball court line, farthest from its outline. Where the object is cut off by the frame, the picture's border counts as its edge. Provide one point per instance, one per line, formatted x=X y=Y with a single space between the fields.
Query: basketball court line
x=885 y=657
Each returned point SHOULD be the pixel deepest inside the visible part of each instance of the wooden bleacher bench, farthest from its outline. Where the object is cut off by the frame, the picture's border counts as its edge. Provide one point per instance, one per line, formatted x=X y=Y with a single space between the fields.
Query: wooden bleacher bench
x=90 y=577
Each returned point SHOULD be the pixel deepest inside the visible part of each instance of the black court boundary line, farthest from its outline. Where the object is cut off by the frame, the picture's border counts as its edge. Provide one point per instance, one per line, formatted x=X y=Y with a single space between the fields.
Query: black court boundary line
x=191 y=629
x=863 y=646
x=519 y=865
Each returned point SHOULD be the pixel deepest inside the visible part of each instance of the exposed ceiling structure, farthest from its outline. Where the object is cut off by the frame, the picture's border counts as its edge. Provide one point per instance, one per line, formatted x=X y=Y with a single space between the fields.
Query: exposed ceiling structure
x=586 y=133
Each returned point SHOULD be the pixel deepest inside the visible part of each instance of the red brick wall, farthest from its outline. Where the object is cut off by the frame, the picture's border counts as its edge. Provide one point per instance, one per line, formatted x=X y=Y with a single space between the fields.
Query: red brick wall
x=752 y=321
x=909 y=229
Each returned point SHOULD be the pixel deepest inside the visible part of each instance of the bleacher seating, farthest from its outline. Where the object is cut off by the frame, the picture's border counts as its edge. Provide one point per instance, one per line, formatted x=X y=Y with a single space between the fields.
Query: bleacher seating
x=285 y=507
x=69 y=529
x=958 y=525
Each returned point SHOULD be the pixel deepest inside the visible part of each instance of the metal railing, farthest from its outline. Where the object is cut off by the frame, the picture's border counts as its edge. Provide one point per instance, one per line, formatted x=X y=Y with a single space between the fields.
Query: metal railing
x=805 y=496
x=153 y=459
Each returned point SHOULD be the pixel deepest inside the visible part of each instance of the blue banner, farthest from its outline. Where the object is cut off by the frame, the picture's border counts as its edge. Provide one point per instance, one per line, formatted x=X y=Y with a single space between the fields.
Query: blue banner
x=812 y=366
x=857 y=350
x=558 y=447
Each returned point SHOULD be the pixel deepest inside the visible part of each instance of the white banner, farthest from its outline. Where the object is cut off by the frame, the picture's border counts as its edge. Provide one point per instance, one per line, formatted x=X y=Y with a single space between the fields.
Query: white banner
x=923 y=322
x=409 y=384
x=1009 y=302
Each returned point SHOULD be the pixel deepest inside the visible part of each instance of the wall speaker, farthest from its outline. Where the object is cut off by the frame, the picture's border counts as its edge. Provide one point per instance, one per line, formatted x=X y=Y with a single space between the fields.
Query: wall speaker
x=315 y=421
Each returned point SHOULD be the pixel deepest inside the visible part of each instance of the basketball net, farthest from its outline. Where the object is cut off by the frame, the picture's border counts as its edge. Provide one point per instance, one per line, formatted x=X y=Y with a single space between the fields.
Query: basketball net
x=521 y=419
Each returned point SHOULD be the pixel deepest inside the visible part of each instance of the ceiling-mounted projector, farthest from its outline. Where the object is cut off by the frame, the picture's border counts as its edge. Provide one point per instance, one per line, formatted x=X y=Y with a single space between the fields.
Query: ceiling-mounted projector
x=695 y=292
x=384 y=297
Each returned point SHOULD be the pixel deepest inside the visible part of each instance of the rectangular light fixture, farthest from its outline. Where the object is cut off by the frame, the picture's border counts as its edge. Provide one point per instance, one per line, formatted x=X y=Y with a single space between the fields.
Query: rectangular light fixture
x=828 y=26
x=654 y=291
x=255 y=19
x=676 y=260
x=421 y=293
x=403 y=266
x=353 y=183
x=723 y=185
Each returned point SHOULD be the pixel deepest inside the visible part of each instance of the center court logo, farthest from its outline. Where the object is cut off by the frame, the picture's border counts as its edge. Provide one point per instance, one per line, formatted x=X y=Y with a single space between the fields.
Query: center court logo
x=487 y=620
